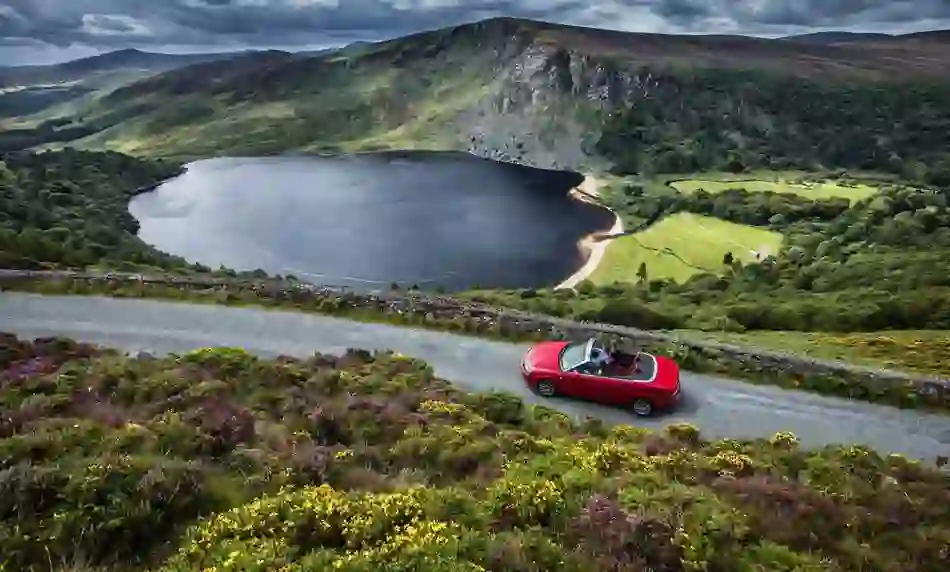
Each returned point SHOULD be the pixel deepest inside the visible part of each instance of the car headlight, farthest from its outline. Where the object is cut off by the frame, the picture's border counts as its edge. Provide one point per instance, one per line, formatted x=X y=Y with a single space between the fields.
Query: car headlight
x=527 y=366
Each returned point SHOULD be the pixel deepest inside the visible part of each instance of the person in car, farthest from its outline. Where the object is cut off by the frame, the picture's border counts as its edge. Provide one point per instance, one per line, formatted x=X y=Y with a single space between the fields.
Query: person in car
x=600 y=357
x=608 y=362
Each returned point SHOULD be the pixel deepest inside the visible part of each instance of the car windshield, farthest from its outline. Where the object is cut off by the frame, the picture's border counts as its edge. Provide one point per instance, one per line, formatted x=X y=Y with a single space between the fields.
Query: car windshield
x=573 y=355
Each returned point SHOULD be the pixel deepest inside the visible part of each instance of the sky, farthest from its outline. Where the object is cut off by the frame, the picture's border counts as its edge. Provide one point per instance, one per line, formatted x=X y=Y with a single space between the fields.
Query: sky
x=49 y=31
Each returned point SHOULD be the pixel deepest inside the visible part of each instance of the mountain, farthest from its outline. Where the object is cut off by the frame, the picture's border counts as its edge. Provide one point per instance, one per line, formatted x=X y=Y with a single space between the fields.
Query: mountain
x=26 y=90
x=829 y=38
x=80 y=69
x=553 y=96
x=838 y=37
x=941 y=36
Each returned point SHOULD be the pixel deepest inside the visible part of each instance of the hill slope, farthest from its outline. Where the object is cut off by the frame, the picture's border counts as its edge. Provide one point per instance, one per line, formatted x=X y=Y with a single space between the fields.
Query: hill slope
x=827 y=38
x=28 y=90
x=106 y=63
x=837 y=37
x=555 y=96
x=219 y=460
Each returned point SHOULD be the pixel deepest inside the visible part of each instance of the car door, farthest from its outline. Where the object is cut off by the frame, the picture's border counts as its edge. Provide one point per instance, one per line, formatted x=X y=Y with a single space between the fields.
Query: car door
x=613 y=391
x=603 y=389
x=627 y=391
x=570 y=384
x=584 y=384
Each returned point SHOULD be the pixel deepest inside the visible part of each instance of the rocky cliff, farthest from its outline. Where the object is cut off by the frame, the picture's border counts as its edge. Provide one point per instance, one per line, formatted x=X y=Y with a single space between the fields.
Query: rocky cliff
x=546 y=108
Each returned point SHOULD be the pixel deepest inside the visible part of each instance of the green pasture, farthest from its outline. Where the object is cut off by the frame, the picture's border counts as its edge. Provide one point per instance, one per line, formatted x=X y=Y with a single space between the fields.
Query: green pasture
x=682 y=245
x=814 y=190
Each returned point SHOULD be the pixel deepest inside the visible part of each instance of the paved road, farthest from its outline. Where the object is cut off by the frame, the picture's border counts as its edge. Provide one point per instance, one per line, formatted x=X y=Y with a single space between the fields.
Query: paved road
x=720 y=407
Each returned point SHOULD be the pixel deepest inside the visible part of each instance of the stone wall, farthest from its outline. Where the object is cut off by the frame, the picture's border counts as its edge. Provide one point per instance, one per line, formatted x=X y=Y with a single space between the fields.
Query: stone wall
x=478 y=318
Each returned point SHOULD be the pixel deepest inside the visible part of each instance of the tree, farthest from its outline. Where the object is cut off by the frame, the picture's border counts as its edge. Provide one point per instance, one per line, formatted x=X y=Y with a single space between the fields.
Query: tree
x=642 y=272
x=70 y=208
x=735 y=164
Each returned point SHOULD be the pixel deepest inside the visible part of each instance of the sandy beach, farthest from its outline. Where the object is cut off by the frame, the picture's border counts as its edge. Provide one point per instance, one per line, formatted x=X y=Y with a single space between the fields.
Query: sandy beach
x=595 y=244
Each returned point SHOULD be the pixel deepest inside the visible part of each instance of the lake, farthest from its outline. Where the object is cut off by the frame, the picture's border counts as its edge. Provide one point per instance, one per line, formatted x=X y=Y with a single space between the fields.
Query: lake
x=446 y=220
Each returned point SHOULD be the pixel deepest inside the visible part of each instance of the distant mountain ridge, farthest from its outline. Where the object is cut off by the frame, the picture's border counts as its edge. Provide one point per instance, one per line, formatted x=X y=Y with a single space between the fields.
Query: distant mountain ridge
x=109 y=62
x=45 y=89
x=552 y=96
x=136 y=58
x=835 y=37
x=840 y=37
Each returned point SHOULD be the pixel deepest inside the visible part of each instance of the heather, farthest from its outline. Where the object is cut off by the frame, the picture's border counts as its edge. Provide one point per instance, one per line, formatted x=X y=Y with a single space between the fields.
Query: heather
x=219 y=460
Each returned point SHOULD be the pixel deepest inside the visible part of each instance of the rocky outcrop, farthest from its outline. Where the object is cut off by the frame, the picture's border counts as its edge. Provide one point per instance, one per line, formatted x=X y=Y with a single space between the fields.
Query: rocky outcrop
x=546 y=106
x=839 y=378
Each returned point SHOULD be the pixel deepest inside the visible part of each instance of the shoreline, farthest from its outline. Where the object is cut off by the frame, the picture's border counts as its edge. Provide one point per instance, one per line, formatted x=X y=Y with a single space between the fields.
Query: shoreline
x=594 y=244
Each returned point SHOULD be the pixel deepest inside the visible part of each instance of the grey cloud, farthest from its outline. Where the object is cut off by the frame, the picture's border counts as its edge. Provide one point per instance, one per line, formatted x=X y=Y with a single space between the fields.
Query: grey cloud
x=846 y=13
x=753 y=16
x=684 y=11
x=107 y=24
x=218 y=21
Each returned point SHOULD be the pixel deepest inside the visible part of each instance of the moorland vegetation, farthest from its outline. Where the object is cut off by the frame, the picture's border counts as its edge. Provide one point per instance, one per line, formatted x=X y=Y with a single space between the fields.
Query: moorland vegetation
x=216 y=459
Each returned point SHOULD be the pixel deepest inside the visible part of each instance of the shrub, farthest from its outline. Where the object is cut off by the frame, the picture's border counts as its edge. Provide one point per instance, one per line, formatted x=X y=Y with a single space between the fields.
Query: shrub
x=363 y=462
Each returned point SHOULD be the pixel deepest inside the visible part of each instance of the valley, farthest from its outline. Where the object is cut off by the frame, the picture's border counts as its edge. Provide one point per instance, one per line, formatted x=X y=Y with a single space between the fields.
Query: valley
x=311 y=295
x=742 y=207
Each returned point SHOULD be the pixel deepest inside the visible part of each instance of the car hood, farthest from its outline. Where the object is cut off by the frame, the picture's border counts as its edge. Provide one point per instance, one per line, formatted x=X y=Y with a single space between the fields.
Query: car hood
x=545 y=355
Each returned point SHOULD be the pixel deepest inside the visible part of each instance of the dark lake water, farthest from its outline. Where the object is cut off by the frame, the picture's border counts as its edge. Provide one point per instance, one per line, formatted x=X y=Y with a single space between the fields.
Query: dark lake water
x=433 y=219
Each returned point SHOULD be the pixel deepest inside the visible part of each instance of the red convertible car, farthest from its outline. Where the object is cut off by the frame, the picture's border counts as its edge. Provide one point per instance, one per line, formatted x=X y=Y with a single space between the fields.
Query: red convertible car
x=642 y=382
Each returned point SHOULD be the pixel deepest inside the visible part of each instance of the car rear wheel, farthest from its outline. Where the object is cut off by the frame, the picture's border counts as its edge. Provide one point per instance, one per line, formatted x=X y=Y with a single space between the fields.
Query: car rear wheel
x=643 y=407
x=546 y=388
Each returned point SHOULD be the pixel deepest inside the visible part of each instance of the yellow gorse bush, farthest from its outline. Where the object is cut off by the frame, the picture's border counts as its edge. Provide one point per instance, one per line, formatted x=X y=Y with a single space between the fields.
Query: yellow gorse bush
x=451 y=409
x=732 y=463
x=319 y=512
x=406 y=542
x=784 y=439
x=528 y=501
x=374 y=529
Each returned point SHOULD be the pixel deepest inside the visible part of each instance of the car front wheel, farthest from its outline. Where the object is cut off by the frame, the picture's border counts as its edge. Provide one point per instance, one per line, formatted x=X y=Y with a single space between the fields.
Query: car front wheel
x=643 y=407
x=546 y=388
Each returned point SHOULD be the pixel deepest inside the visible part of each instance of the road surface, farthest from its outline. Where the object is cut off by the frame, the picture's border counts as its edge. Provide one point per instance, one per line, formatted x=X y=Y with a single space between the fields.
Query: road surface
x=719 y=407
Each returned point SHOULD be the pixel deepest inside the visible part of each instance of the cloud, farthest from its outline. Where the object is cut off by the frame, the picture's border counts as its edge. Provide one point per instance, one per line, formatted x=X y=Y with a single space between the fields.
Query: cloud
x=57 y=25
x=98 y=25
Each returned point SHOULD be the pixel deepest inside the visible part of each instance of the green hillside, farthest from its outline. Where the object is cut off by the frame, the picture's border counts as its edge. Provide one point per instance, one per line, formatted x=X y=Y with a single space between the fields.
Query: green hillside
x=555 y=96
x=30 y=95
x=825 y=265
x=219 y=460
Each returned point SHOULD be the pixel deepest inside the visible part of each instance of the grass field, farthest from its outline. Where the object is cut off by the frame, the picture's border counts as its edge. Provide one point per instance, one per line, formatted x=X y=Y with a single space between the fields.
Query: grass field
x=681 y=245
x=815 y=190
x=926 y=351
